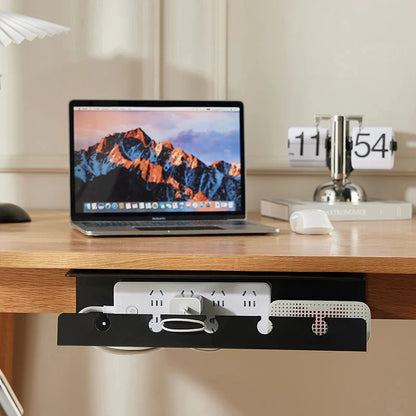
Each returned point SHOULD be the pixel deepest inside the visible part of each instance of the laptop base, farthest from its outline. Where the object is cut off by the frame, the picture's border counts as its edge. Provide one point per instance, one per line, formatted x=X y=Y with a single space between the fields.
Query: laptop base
x=172 y=228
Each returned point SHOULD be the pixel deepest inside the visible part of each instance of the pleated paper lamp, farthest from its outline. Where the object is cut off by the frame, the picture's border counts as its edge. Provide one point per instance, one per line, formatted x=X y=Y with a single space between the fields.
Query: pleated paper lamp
x=15 y=28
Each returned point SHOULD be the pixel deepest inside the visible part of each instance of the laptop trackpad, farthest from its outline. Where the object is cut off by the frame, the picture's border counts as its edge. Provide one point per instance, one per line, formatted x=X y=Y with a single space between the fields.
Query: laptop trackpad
x=178 y=228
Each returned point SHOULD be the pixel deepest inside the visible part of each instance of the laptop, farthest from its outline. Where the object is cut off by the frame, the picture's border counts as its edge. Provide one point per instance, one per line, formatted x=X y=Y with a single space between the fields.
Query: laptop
x=158 y=168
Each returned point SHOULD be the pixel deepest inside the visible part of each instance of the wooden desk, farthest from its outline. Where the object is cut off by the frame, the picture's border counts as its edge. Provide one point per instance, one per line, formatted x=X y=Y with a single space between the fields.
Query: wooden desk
x=34 y=258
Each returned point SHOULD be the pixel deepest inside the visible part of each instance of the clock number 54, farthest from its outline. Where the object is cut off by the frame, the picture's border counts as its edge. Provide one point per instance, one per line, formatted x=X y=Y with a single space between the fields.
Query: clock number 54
x=373 y=148
x=365 y=147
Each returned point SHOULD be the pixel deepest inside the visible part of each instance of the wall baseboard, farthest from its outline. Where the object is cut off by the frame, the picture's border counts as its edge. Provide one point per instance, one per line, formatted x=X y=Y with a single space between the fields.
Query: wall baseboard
x=59 y=164
x=256 y=165
x=34 y=164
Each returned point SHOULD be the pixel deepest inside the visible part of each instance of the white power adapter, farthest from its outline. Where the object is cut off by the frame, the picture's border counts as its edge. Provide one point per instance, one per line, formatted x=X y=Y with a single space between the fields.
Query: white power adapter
x=186 y=305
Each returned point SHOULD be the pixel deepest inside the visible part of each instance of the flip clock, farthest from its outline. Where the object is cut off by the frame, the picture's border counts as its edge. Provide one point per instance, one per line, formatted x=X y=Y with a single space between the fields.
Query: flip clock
x=341 y=149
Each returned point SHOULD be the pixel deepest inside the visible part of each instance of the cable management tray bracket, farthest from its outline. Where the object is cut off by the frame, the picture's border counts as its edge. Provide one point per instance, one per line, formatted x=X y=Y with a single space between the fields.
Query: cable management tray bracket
x=217 y=310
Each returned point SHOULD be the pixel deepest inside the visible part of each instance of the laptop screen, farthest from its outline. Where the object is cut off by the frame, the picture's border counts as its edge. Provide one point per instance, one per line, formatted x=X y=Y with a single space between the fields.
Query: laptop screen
x=156 y=158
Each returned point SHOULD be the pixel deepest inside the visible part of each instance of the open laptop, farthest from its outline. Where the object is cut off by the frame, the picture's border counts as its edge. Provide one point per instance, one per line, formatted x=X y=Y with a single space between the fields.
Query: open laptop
x=158 y=168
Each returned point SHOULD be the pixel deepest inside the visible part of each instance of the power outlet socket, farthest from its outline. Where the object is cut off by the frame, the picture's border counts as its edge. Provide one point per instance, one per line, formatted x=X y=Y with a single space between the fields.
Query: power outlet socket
x=204 y=298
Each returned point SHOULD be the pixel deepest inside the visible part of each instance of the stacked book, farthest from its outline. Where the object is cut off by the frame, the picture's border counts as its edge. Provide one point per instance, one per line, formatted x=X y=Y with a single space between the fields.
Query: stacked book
x=339 y=211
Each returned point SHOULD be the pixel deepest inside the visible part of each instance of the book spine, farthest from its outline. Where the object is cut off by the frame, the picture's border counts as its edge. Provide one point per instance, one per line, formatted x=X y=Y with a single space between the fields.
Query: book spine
x=342 y=211
x=274 y=209
x=368 y=212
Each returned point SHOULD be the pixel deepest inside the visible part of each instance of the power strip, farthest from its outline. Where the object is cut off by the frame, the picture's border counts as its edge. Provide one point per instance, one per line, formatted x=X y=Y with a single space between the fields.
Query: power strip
x=192 y=299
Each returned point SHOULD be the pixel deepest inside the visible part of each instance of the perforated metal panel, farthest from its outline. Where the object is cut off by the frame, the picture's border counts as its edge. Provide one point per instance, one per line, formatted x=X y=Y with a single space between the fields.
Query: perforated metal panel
x=321 y=310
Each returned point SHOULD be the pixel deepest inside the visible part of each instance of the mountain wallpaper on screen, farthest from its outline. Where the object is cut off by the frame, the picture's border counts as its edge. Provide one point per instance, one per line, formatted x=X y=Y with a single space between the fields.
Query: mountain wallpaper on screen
x=130 y=166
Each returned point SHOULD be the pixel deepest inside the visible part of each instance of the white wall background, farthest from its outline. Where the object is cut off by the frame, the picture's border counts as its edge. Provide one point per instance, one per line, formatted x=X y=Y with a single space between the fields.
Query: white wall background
x=286 y=61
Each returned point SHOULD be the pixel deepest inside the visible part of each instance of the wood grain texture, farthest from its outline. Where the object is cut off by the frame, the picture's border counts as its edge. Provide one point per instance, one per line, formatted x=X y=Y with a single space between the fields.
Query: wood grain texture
x=34 y=258
x=7 y=345
x=36 y=290
x=368 y=247
x=392 y=296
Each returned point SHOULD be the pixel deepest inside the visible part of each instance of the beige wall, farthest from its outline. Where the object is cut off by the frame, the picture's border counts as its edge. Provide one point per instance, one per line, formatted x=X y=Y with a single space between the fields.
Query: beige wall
x=69 y=381
x=286 y=61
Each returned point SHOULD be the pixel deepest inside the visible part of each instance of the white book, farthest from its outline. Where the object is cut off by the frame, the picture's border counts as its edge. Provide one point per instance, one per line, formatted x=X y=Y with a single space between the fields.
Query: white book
x=339 y=211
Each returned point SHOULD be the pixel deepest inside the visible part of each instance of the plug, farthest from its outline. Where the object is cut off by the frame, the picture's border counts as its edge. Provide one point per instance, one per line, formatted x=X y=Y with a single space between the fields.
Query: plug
x=183 y=305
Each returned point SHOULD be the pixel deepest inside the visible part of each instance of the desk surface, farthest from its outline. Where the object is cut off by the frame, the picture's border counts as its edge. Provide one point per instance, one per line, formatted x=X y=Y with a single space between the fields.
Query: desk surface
x=368 y=247
x=35 y=256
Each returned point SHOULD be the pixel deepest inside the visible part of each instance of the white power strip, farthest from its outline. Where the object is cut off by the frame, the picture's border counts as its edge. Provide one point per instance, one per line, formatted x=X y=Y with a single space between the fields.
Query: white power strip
x=321 y=309
x=193 y=298
x=211 y=299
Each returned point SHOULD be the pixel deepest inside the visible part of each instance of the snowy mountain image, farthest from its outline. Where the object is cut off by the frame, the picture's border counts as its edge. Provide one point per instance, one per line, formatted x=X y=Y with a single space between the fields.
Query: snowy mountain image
x=132 y=166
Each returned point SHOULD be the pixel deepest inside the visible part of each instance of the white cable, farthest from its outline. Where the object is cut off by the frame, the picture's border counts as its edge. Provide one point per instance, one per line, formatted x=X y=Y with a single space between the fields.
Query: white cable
x=89 y=309
x=127 y=350
x=207 y=349
x=115 y=350
x=192 y=321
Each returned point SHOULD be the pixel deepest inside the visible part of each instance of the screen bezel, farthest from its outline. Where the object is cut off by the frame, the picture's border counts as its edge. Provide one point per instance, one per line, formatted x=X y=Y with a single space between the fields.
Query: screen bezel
x=156 y=216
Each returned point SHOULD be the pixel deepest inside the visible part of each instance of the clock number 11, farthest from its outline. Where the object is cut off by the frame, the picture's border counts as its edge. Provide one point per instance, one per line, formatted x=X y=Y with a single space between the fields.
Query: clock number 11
x=315 y=137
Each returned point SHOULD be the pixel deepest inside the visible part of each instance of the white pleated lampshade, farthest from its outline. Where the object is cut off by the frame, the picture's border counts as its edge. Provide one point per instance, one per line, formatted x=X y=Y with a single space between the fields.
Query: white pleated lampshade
x=17 y=27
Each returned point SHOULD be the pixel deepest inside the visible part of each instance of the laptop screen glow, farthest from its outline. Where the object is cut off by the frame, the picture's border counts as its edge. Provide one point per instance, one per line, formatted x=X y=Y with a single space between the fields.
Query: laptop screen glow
x=157 y=159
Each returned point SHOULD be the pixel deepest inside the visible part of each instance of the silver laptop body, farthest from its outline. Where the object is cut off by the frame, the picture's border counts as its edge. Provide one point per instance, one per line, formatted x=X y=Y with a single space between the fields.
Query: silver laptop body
x=158 y=168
